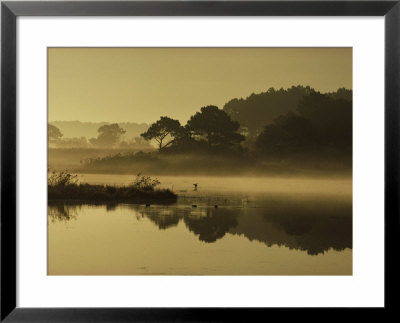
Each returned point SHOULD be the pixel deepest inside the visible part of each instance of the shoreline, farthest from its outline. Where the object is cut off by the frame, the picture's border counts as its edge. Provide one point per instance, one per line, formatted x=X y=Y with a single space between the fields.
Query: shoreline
x=107 y=194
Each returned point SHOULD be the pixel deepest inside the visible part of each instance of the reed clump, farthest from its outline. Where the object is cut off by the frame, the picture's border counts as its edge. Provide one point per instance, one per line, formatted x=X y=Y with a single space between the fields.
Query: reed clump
x=63 y=185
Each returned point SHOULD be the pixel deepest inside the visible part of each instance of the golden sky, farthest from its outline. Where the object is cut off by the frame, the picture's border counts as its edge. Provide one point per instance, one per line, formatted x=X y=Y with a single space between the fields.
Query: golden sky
x=142 y=84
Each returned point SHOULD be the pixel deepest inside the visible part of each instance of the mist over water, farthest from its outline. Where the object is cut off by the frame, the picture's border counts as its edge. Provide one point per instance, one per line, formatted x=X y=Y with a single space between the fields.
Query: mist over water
x=239 y=185
x=225 y=226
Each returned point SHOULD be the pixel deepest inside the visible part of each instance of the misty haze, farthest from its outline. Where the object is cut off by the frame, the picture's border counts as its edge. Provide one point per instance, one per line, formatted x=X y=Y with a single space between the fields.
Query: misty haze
x=200 y=161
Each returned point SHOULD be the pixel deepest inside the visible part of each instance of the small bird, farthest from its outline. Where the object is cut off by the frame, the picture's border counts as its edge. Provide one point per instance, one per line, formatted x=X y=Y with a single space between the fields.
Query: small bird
x=195 y=187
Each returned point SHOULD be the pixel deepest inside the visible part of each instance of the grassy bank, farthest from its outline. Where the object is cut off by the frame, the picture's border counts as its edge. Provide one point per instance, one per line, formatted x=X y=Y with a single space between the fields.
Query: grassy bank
x=325 y=164
x=63 y=186
x=69 y=158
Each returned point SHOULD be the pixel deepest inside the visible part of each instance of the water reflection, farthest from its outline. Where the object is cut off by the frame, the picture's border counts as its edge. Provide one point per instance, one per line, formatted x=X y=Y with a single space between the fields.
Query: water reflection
x=162 y=217
x=212 y=224
x=315 y=231
x=314 y=227
x=206 y=223
x=62 y=212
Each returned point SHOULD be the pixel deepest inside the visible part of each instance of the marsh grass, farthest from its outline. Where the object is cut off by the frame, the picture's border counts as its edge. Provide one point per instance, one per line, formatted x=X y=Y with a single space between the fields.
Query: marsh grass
x=65 y=186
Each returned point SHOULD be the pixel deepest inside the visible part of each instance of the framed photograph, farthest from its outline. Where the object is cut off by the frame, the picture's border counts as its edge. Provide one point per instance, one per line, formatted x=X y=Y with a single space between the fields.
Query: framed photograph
x=197 y=160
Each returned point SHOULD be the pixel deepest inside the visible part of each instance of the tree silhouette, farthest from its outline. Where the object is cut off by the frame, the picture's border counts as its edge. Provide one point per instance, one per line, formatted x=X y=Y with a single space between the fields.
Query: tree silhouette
x=321 y=123
x=288 y=134
x=215 y=127
x=53 y=132
x=342 y=93
x=164 y=132
x=108 y=135
x=259 y=110
x=332 y=118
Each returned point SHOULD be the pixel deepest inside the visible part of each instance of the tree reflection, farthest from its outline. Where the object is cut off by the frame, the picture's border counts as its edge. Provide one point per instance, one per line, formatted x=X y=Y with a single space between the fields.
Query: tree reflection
x=318 y=233
x=303 y=225
x=208 y=223
x=163 y=218
x=62 y=212
x=314 y=227
x=213 y=225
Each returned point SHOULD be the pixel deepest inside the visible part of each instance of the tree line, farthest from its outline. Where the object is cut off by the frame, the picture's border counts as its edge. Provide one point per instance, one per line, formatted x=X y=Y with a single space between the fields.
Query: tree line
x=318 y=122
x=209 y=129
x=109 y=136
x=259 y=110
x=279 y=123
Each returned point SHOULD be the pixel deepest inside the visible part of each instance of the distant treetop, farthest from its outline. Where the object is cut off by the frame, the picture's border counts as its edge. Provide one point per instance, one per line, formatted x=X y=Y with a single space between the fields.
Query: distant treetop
x=259 y=110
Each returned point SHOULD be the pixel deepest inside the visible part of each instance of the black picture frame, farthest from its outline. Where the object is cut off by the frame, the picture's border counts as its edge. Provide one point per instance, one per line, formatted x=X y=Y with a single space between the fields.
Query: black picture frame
x=10 y=10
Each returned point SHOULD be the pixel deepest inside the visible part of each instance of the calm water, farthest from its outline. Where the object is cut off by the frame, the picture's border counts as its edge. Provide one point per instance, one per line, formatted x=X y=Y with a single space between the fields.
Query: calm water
x=262 y=226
